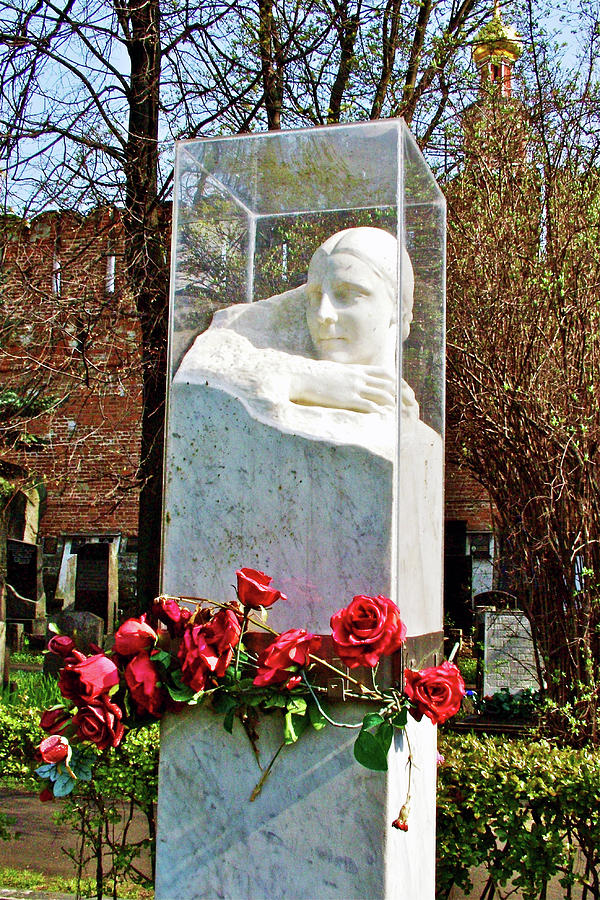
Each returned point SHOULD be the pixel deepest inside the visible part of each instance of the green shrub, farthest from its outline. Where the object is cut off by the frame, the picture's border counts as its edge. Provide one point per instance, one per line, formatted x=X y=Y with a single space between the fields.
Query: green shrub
x=468 y=668
x=520 y=809
x=19 y=736
x=521 y=706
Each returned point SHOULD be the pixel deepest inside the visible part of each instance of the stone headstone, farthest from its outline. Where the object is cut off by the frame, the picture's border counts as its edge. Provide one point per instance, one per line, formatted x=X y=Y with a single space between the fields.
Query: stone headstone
x=88 y=577
x=508 y=652
x=84 y=627
x=24 y=569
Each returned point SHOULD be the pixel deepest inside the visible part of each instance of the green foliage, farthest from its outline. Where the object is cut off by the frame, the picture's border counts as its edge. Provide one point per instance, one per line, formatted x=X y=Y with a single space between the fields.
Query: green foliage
x=34 y=690
x=521 y=810
x=373 y=742
x=521 y=706
x=468 y=668
x=19 y=736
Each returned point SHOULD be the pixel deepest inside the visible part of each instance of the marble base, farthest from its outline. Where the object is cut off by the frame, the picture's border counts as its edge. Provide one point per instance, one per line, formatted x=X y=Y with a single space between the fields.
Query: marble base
x=320 y=518
x=321 y=827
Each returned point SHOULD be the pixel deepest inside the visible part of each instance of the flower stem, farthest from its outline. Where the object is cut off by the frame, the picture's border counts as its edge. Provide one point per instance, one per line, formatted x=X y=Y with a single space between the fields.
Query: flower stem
x=322 y=711
x=265 y=774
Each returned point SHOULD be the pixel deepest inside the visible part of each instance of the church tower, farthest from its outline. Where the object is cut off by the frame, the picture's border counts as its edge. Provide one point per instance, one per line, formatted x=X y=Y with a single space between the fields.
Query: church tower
x=496 y=49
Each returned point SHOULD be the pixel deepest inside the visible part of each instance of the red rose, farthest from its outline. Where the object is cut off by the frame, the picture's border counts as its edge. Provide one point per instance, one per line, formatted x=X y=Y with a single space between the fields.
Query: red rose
x=367 y=629
x=168 y=611
x=280 y=661
x=55 y=720
x=208 y=649
x=133 y=636
x=436 y=692
x=253 y=589
x=100 y=723
x=142 y=679
x=61 y=644
x=84 y=681
x=46 y=795
x=54 y=749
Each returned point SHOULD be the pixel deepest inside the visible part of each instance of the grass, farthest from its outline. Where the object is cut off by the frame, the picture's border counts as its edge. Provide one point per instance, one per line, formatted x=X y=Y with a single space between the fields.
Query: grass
x=33 y=690
x=468 y=668
x=27 y=657
x=26 y=878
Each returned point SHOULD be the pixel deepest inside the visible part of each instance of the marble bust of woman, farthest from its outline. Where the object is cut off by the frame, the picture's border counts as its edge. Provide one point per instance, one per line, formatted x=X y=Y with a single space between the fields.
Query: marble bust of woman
x=320 y=360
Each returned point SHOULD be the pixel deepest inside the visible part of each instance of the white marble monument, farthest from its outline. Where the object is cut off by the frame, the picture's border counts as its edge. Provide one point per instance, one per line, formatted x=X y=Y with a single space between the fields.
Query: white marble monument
x=296 y=448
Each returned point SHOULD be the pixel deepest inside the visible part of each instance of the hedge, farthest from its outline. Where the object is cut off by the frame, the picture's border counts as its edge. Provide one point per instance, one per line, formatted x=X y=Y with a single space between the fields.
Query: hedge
x=522 y=809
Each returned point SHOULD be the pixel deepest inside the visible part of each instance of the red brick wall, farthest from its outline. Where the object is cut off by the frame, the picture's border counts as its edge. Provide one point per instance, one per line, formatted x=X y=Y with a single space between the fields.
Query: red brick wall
x=81 y=345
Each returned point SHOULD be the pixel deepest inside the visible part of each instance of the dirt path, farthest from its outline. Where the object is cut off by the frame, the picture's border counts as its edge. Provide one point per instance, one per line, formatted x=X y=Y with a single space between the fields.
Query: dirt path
x=41 y=839
x=44 y=840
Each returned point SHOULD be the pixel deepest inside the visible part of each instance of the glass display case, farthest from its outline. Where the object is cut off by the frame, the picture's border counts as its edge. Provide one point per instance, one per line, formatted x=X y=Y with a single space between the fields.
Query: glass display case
x=249 y=214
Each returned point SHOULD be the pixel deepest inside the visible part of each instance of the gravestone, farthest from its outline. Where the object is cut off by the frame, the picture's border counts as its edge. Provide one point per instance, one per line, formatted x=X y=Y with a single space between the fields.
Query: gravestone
x=330 y=496
x=25 y=599
x=508 y=659
x=88 y=576
x=24 y=568
x=84 y=627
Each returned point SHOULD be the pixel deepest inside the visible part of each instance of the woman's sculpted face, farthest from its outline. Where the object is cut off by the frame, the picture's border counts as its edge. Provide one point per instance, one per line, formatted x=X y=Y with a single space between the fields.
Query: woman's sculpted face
x=351 y=308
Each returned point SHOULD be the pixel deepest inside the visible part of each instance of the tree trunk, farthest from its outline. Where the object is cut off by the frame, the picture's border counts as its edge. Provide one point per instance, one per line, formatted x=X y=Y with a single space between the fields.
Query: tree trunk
x=147 y=276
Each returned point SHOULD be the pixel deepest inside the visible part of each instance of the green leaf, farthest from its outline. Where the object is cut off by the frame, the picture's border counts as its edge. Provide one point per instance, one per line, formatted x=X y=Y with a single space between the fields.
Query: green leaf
x=181 y=694
x=63 y=785
x=53 y=627
x=296 y=705
x=163 y=658
x=275 y=700
x=369 y=752
x=371 y=720
x=317 y=719
x=228 y=720
x=401 y=718
x=223 y=703
x=294 y=727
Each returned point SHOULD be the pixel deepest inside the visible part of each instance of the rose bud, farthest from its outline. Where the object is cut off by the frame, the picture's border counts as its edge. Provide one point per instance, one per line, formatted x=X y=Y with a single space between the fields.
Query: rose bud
x=54 y=749
x=61 y=644
x=55 y=720
x=134 y=636
x=253 y=589
x=86 y=680
x=401 y=823
x=46 y=795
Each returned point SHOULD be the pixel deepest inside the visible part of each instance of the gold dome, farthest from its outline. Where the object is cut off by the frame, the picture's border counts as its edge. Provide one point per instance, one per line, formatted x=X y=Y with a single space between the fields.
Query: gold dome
x=497 y=41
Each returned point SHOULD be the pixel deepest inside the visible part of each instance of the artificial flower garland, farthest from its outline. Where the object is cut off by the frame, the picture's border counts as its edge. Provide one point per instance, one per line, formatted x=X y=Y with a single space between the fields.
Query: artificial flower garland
x=173 y=657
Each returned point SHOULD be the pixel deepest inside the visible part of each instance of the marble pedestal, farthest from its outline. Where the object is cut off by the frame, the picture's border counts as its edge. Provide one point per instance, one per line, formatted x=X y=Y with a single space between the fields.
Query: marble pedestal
x=320 y=828
x=320 y=519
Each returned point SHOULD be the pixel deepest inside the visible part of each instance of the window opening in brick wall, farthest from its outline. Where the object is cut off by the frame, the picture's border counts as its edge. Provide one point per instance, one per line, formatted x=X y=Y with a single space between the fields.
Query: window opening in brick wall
x=56 y=273
x=111 y=268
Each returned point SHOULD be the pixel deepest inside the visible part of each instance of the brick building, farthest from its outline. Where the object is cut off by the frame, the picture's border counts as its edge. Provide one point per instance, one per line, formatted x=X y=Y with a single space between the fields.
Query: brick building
x=70 y=336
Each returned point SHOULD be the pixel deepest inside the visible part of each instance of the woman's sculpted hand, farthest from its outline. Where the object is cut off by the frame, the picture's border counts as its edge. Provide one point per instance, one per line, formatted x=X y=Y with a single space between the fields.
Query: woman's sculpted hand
x=363 y=389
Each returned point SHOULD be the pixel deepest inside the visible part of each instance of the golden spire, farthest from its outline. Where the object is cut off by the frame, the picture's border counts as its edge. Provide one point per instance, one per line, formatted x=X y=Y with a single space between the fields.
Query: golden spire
x=497 y=42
